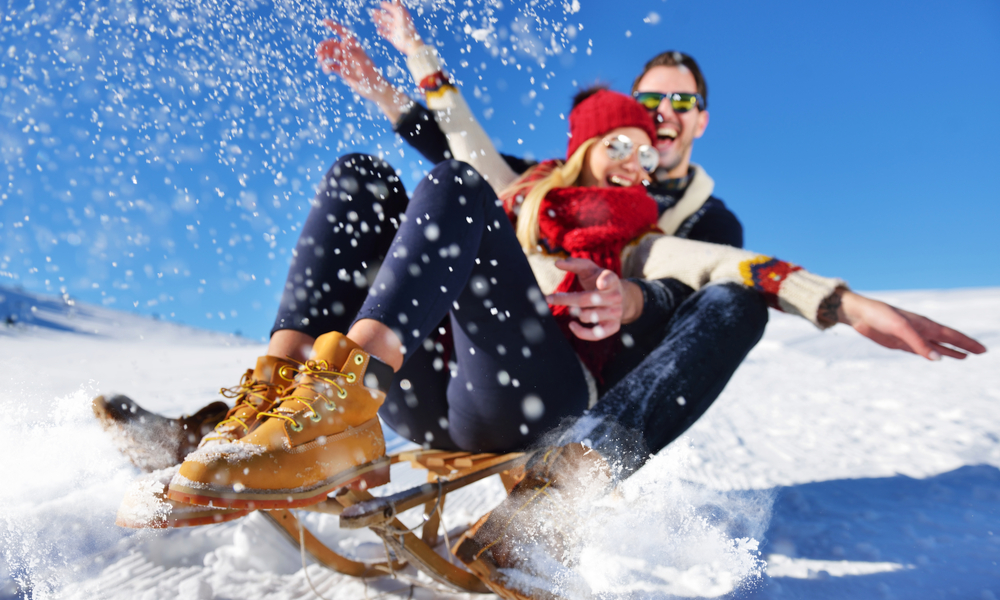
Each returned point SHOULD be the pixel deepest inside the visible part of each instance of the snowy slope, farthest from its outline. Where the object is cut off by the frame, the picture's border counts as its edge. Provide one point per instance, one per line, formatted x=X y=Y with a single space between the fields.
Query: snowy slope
x=860 y=472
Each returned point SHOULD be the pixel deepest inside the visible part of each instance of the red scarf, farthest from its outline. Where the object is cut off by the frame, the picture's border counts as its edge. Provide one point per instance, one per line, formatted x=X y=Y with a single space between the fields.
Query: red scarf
x=595 y=223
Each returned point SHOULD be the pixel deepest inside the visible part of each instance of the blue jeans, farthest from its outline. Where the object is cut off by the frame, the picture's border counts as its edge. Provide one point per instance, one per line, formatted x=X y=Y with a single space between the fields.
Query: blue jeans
x=656 y=393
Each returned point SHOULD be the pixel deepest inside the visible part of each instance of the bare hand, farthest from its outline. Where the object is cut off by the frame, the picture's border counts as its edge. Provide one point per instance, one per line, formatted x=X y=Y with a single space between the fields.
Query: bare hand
x=606 y=304
x=395 y=24
x=343 y=55
x=902 y=330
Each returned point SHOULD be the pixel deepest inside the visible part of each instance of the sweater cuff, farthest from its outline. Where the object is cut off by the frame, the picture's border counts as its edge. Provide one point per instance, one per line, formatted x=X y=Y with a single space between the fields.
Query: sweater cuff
x=803 y=292
x=423 y=63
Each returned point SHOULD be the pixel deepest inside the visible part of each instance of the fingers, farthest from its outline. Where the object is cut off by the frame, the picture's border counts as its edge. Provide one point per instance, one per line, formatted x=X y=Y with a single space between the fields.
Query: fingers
x=938 y=334
x=586 y=299
x=903 y=329
x=608 y=280
x=338 y=29
x=597 y=332
x=331 y=56
x=580 y=266
x=946 y=335
x=328 y=49
x=593 y=316
x=949 y=352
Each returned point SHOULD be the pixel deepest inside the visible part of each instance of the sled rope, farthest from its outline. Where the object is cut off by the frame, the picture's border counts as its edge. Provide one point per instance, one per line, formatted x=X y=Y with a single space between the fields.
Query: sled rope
x=447 y=542
x=302 y=553
x=388 y=561
x=426 y=517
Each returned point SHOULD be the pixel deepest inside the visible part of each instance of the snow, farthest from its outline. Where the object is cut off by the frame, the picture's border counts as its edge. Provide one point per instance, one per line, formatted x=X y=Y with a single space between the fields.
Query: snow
x=230 y=451
x=854 y=471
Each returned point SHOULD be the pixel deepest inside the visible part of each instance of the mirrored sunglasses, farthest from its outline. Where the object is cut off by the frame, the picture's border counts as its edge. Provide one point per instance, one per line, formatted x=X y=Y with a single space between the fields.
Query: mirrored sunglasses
x=621 y=147
x=679 y=102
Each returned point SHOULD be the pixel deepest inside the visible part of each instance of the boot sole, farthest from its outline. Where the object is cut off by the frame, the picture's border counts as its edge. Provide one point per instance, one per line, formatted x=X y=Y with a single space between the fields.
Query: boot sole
x=362 y=477
x=208 y=516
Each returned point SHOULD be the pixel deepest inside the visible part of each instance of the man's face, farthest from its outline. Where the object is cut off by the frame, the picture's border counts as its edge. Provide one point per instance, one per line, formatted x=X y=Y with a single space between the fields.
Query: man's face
x=676 y=131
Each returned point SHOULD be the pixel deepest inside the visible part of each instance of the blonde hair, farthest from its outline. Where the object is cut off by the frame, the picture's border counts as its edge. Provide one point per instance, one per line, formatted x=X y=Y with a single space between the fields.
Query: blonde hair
x=563 y=175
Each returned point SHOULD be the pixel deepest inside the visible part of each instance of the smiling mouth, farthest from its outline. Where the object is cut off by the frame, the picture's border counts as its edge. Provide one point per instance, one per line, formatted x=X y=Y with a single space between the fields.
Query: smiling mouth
x=666 y=132
x=619 y=181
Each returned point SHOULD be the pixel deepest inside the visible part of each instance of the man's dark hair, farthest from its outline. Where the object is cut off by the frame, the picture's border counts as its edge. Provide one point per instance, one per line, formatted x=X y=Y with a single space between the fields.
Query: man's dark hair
x=673 y=58
x=585 y=93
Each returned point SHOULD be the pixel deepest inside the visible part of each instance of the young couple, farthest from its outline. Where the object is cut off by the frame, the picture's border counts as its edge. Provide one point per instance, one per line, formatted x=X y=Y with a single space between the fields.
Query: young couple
x=501 y=299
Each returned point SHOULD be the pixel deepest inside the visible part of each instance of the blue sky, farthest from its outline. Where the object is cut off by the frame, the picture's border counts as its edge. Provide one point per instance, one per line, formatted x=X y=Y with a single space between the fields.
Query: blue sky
x=158 y=157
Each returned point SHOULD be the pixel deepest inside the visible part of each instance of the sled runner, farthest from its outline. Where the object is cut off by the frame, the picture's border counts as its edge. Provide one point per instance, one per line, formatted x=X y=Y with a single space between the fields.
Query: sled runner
x=446 y=472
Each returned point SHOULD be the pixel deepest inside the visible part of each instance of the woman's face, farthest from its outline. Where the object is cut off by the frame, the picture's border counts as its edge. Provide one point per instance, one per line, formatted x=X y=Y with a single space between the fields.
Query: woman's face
x=602 y=169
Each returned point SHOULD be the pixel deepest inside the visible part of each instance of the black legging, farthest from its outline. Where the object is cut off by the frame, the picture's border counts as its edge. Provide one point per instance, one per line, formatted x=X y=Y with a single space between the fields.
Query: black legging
x=508 y=374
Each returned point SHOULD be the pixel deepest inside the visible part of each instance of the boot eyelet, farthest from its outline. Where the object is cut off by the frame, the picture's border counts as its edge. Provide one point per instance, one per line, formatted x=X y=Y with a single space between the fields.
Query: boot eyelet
x=341 y=393
x=359 y=359
x=330 y=406
x=315 y=417
x=296 y=427
x=351 y=378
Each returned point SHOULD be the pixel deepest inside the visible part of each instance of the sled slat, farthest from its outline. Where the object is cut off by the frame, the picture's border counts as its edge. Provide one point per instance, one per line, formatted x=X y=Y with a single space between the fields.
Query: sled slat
x=468 y=461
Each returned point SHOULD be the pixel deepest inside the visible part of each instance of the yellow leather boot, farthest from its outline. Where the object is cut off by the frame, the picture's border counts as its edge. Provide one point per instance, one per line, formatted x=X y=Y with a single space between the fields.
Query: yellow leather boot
x=146 y=504
x=322 y=434
x=255 y=394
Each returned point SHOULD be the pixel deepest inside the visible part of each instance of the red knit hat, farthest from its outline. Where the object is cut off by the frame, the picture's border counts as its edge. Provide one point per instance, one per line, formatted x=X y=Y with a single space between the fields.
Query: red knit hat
x=603 y=111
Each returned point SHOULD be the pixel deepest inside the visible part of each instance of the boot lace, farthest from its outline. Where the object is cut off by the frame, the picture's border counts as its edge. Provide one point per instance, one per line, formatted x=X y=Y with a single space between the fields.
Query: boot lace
x=250 y=392
x=319 y=371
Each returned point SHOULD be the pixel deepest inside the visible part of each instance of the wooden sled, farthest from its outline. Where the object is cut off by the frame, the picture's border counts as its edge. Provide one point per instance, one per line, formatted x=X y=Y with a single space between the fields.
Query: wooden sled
x=446 y=472
x=146 y=506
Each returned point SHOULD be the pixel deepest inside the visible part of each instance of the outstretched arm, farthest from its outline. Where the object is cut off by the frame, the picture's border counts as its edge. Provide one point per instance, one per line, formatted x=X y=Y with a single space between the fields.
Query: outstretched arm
x=343 y=55
x=823 y=301
x=897 y=328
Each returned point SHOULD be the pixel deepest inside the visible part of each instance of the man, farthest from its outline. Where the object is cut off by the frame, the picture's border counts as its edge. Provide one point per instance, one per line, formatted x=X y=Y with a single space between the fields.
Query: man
x=672 y=85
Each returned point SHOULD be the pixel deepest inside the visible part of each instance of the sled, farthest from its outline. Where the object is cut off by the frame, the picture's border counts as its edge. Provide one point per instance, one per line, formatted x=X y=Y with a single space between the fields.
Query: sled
x=446 y=472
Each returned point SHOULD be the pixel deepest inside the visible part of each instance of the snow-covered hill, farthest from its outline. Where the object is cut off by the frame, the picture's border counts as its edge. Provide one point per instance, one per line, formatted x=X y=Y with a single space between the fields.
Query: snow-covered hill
x=861 y=472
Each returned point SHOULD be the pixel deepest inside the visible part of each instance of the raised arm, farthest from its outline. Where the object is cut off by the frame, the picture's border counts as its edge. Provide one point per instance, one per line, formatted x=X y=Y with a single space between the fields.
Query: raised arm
x=343 y=55
x=466 y=137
